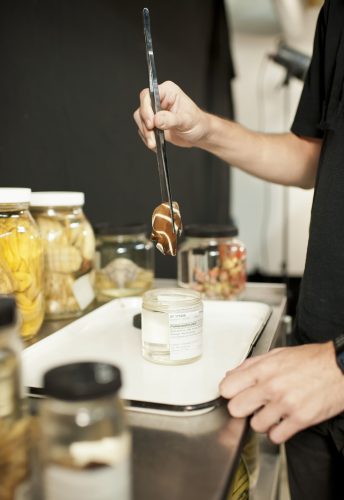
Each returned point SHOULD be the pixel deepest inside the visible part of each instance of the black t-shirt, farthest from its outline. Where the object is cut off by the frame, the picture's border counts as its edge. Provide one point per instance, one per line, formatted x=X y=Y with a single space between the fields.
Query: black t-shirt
x=320 y=114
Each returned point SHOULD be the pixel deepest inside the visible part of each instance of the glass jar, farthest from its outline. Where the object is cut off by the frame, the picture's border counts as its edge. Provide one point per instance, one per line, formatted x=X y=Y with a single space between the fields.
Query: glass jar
x=85 y=443
x=124 y=261
x=21 y=258
x=172 y=321
x=69 y=249
x=212 y=261
x=14 y=423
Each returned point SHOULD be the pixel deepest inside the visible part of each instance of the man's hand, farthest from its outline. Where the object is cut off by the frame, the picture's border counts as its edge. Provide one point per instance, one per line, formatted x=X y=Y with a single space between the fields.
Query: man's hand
x=184 y=123
x=286 y=390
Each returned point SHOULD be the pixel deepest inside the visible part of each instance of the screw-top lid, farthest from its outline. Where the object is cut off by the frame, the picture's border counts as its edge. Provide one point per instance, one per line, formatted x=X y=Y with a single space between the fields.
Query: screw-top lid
x=109 y=229
x=82 y=381
x=57 y=199
x=211 y=230
x=15 y=195
x=8 y=311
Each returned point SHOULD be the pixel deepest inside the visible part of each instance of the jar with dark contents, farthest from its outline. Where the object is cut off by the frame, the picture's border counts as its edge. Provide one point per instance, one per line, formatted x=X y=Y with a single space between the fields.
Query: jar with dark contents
x=212 y=260
x=124 y=261
x=85 y=444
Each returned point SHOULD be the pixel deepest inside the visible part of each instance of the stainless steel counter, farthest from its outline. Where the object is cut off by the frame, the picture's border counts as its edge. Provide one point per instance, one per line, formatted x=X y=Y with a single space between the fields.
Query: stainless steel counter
x=186 y=458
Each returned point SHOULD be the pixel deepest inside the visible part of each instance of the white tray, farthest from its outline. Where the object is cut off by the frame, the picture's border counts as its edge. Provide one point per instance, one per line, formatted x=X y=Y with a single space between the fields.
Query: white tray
x=106 y=334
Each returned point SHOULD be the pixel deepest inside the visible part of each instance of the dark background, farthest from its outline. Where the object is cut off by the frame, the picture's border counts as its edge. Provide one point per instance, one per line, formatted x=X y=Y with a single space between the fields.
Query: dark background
x=71 y=73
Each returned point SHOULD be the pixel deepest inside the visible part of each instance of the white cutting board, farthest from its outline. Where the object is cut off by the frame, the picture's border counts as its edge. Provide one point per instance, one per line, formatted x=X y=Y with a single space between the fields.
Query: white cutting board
x=106 y=334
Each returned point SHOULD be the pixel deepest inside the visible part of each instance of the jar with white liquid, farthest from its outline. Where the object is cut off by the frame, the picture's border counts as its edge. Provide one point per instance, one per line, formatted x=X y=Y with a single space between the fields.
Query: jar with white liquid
x=172 y=321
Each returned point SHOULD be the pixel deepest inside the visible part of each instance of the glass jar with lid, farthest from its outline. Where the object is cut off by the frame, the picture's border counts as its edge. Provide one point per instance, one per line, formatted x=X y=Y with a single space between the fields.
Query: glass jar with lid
x=212 y=261
x=172 y=326
x=69 y=249
x=85 y=445
x=21 y=258
x=14 y=423
x=124 y=261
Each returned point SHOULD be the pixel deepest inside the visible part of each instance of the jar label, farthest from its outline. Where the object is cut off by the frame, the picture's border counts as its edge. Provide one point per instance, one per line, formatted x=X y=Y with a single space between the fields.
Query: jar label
x=185 y=334
x=98 y=483
x=83 y=291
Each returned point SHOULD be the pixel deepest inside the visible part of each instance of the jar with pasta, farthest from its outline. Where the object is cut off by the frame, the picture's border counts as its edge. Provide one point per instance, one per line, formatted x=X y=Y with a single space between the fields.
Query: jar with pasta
x=21 y=258
x=69 y=247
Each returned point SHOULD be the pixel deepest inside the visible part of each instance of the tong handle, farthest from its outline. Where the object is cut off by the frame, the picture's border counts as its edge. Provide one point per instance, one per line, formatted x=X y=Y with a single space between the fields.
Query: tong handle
x=155 y=100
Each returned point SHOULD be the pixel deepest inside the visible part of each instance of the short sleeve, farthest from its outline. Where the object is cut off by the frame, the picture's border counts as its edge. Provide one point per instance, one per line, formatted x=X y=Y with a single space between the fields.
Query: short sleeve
x=309 y=113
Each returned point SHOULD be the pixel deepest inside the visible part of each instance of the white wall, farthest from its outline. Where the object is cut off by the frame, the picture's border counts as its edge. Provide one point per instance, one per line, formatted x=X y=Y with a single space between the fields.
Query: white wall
x=260 y=102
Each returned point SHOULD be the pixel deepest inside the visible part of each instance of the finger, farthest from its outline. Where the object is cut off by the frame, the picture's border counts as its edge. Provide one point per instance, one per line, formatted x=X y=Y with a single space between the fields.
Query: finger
x=166 y=120
x=138 y=121
x=148 y=141
x=267 y=417
x=247 y=402
x=254 y=360
x=146 y=111
x=168 y=92
x=237 y=381
x=146 y=135
x=245 y=364
x=283 y=431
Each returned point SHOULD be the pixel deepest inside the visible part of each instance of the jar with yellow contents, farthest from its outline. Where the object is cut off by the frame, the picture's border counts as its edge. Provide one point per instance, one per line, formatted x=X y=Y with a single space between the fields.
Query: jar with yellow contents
x=21 y=258
x=69 y=247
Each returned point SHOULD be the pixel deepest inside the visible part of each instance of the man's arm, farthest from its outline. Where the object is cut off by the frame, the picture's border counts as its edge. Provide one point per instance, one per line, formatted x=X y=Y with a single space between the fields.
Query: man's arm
x=280 y=158
x=287 y=389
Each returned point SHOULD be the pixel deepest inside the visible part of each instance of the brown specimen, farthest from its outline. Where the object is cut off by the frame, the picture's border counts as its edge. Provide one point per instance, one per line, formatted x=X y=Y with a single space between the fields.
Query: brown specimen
x=162 y=232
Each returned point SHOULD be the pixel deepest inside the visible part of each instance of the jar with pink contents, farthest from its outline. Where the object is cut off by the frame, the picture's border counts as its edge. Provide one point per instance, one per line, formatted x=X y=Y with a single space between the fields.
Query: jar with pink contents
x=212 y=261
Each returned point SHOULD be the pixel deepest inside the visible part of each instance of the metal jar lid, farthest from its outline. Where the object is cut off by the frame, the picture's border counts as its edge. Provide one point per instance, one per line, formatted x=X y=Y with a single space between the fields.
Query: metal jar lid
x=211 y=230
x=82 y=381
x=8 y=311
x=109 y=229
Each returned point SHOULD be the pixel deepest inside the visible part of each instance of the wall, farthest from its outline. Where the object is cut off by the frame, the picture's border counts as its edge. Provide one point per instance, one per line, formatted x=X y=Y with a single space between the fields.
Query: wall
x=258 y=207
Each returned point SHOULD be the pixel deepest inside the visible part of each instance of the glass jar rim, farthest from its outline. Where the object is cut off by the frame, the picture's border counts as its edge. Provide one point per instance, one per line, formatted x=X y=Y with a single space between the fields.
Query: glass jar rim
x=163 y=299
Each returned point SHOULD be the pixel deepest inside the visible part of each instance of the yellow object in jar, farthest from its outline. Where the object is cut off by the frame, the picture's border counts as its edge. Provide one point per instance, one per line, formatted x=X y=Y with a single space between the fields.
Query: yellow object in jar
x=69 y=247
x=21 y=259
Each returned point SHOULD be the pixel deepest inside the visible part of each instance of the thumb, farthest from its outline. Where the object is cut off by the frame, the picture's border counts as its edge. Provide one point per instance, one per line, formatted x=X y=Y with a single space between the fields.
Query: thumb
x=166 y=120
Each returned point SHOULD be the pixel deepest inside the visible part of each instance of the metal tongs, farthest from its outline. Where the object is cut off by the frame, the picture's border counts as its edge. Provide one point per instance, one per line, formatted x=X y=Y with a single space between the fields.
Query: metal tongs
x=159 y=134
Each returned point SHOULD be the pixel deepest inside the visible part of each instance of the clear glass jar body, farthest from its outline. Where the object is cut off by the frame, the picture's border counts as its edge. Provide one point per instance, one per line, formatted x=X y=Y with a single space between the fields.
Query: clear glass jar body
x=172 y=322
x=124 y=265
x=21 y=261
x=215 y=267
x=69 y=249
x=15 y=470
x=85 y=450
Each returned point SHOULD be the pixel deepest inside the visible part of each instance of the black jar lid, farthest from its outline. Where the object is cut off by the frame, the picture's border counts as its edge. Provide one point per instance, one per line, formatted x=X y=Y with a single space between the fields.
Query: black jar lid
x=8 y=311
x=211 y=230
x=82 y=381
x=109 y=229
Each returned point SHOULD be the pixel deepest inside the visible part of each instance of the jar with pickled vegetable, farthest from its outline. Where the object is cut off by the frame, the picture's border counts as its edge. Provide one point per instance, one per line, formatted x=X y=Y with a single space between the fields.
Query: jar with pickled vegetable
x=69 y=247
x=124 y=261
x=212 y=261
x=21 y=258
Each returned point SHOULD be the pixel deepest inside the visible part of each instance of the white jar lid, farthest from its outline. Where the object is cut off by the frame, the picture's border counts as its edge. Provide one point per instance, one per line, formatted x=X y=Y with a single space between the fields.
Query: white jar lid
x=15 y=195
x=57 y=199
